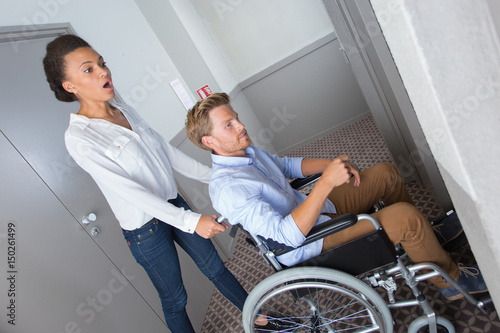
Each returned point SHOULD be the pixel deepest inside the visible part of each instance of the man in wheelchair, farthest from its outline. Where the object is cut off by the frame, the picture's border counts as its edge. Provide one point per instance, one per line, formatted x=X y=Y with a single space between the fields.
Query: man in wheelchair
x=250 y=186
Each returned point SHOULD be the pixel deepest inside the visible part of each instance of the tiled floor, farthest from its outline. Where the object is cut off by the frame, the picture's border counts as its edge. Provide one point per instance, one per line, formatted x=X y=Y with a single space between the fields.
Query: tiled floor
x=364 y=145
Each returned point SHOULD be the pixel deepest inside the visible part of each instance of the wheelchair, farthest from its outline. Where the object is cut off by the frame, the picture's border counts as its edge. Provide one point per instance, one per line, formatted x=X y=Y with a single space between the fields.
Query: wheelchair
x=334 y=291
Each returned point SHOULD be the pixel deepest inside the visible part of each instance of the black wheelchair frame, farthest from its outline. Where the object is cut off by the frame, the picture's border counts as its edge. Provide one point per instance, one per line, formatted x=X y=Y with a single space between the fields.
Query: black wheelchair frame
x=334 y=291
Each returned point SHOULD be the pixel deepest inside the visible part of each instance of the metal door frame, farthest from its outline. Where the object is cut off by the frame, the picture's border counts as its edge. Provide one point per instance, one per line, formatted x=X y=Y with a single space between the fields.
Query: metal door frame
x=364 y=45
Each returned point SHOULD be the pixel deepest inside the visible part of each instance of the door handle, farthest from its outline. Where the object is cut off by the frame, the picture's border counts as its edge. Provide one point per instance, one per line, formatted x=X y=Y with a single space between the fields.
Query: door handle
x=87 y=219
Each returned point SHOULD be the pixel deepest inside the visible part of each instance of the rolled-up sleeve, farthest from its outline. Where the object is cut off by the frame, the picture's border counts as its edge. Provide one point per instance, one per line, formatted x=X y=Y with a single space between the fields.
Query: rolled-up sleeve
x=291 y=167
x=242 y=203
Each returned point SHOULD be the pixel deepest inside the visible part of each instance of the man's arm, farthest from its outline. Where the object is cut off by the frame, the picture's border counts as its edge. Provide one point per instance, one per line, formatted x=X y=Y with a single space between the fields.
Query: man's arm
x=241 y=201
x=335 y=173
x=314 y=166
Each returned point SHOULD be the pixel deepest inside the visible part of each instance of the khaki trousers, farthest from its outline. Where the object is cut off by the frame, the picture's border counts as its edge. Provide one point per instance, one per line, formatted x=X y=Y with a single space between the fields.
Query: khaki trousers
x=400 y=219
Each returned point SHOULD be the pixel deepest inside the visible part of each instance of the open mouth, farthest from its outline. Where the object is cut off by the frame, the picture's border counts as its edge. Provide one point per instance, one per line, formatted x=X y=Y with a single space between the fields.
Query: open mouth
x=108 y=85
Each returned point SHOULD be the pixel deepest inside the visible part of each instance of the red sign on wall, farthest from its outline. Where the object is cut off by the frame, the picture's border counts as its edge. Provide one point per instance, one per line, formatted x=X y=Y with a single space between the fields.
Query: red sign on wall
x=204 y=92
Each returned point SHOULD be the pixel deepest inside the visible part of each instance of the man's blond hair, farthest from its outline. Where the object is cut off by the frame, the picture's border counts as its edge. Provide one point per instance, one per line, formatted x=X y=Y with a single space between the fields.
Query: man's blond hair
x=198 y=122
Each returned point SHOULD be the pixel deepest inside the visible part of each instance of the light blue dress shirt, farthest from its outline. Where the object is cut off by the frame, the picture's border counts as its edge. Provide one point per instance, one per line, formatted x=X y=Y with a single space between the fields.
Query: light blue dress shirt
x=254 y=191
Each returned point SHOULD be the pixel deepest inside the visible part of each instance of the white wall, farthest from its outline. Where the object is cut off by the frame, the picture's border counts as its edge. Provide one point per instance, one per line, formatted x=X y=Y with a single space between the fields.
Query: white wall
x=141 y=68
x=173 y=35
x=284 y=57
x=250 y=36
x=306 y=99
x=204 y=42
x=448 y=56
x=495 y=15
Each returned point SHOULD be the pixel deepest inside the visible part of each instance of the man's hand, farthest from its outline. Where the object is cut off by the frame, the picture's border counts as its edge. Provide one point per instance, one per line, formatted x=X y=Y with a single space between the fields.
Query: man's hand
x=355 y=174
x=339 y=172
x=208 y=226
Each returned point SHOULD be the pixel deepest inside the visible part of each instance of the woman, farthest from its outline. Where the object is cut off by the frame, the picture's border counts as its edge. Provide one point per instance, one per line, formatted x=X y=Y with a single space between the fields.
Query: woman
x=132 y=165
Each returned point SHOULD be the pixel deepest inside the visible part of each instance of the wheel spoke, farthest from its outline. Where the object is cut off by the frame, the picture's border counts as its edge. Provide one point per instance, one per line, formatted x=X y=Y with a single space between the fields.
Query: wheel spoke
x=317 y=305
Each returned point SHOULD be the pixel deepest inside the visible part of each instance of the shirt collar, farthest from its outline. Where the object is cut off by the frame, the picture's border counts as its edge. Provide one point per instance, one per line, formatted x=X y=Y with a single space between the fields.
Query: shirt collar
x=83 y=122
x=233 y=161
x=79 y=120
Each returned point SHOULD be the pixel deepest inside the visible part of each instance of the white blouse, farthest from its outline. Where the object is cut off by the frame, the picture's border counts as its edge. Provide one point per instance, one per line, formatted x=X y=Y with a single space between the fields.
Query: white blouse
x=133 y=169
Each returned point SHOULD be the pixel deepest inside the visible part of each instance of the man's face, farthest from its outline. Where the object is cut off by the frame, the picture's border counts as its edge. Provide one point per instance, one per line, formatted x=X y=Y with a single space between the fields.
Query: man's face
x=229 y=137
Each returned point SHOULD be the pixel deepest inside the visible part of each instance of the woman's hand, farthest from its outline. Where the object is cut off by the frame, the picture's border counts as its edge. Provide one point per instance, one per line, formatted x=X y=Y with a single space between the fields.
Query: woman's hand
x=208 y=226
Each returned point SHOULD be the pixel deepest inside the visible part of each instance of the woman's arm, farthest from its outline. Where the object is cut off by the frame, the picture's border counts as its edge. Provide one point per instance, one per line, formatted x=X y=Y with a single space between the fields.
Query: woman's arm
x=186 y=165
x=120 y=190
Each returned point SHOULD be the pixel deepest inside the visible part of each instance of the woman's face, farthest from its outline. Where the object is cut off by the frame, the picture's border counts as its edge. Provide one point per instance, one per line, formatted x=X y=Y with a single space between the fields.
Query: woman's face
x=88 y=76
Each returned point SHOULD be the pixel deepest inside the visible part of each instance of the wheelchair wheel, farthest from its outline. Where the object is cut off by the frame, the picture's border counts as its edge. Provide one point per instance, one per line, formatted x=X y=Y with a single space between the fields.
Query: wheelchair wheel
x=421 y=325
x=319 y=300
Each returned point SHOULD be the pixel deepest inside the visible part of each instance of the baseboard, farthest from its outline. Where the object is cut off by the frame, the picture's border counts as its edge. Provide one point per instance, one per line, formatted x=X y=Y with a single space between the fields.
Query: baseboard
x=324 y=133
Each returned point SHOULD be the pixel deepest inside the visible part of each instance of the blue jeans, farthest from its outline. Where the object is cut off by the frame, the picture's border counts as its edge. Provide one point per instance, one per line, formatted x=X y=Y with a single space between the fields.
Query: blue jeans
x=153 y=247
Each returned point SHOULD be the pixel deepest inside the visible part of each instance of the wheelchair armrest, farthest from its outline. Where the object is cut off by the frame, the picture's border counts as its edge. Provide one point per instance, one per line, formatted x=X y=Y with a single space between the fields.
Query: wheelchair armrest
x=303 y=182
x=326 y=228
x=330 y=227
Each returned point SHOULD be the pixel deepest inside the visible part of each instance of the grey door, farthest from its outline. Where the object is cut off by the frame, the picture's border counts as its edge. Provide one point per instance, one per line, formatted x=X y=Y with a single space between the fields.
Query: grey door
x=34 y=122
x=54 y=278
